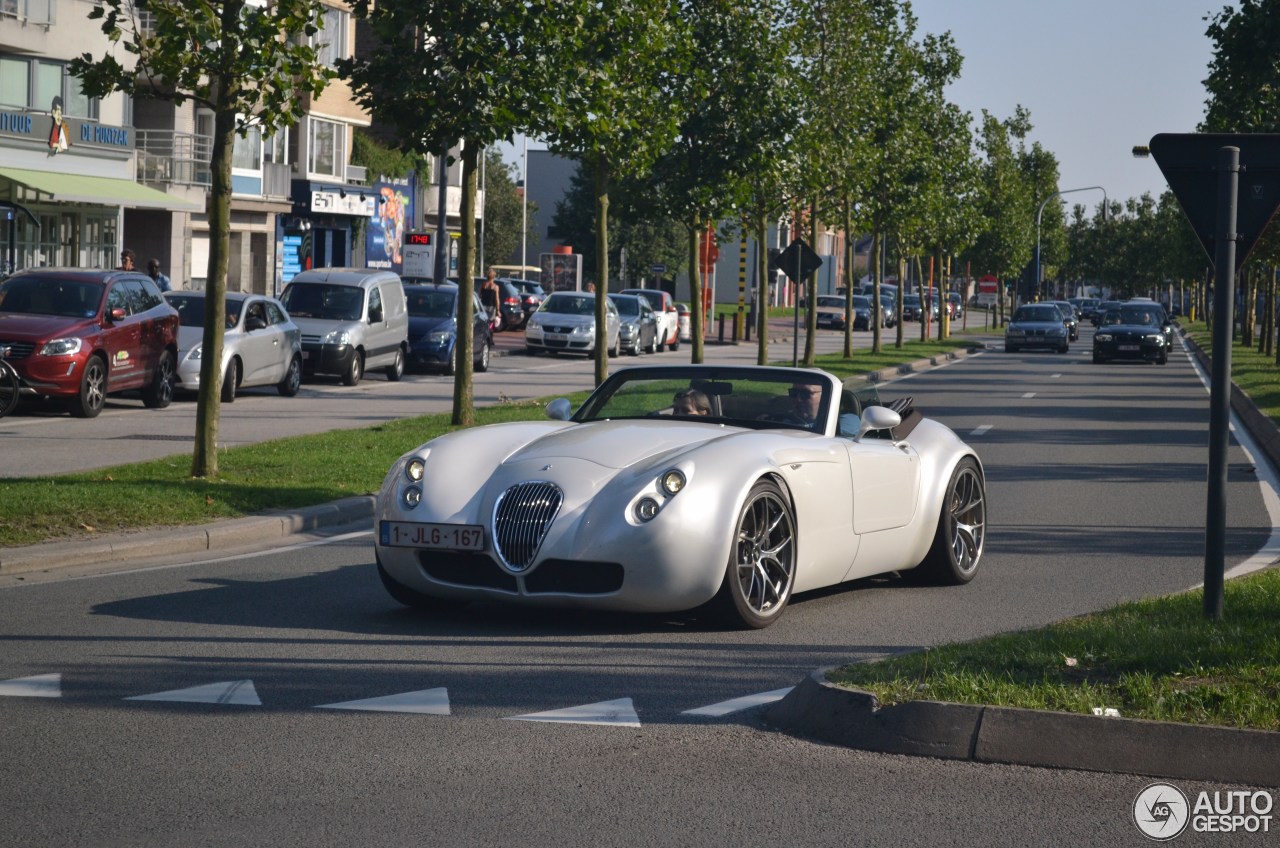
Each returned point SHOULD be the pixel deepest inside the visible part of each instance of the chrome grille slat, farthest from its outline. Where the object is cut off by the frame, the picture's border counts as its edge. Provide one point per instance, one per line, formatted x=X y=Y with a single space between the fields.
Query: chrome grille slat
x=520 y=521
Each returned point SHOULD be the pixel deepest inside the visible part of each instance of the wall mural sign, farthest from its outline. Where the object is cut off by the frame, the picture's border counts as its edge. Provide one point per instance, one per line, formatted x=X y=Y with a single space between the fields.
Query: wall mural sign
x=388 y=222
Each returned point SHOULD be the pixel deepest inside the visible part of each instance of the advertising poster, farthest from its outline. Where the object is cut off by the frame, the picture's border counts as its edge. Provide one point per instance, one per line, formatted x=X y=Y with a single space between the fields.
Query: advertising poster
x=392 y=216
x=561 y=271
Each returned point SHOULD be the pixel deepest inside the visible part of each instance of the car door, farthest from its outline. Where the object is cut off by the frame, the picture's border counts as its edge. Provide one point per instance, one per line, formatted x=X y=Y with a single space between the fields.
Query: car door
x=263 y=346
x=479 y=326
x=122 y=338
x=885 y=475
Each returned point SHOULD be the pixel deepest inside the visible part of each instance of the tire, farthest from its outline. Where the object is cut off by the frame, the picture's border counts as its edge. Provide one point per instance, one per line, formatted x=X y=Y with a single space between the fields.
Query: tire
x=675 y=345
x=414 y=599
x=93 y=389
x=482 y=362
x=9 y=388
x=1164 y=358
x=613 y=351
x=292 y=382
x=229 y=381
x=962 y=529
x=159 y=394
x=653 y=346
x=395 y=370
x=761 y=568
x=355 y=370
x=1064 y=349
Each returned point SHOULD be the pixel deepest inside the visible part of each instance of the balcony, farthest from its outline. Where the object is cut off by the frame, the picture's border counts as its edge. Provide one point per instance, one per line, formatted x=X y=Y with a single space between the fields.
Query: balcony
x=169 y=157
x=357 y=175
x=29 y=11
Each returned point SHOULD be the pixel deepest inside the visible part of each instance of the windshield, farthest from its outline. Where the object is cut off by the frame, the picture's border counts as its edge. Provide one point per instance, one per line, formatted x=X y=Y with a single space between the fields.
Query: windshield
x=28 y=295
x=831 y=301
x=1038 y=313
x=860 y=302
x=324 y=300
x=1142 y=316
x=191 y=309
x=628 y=306
x=569 y=303
x=435 y=303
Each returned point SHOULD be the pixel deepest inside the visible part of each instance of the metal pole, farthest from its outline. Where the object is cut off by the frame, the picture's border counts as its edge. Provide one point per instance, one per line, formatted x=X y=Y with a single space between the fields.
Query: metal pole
x=440 y=271
x=1215 y=523
x=524 y=212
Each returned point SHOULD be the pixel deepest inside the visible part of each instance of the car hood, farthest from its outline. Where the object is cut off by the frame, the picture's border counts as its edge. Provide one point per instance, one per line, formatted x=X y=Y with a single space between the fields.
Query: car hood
x=37 y=328
x=559 y=319
x=421 y=325
x=617 y=444
x=1131 y=328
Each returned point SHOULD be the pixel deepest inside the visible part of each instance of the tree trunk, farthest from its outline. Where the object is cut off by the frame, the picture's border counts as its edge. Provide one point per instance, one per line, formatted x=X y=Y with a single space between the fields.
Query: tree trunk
x=922 y=288
x=464 y=413
x=204 y=454
x=902 y=274
x=849 y=277
x=877 y=245
x=762 y=293
x=602 y=267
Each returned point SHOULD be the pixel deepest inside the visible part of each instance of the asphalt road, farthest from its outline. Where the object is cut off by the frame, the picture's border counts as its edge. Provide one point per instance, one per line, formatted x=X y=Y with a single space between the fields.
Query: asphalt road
x=1096 y=491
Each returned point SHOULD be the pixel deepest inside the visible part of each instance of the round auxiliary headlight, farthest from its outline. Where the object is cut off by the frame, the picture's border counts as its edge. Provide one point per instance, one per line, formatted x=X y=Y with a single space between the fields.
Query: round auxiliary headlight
x=646 y=509
x=673 y=481
x=412 y=496
x=414 y=469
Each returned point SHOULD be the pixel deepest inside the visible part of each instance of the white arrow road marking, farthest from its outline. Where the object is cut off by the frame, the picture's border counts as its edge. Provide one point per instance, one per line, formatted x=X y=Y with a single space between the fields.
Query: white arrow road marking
x=619 y=712
x=40 y=686
x=736 y=704
x=1054 y=376
x=1029 y=395
x=424 y=701
x=981 y=431
x=231 y=692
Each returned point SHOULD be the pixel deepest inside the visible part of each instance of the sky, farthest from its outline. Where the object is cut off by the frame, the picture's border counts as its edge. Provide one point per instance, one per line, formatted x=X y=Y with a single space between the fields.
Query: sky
x=1098 y=76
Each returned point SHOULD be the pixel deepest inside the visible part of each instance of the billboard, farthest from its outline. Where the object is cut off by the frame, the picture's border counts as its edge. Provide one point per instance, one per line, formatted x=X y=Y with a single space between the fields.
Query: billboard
x=561 y=271
x=391 y=217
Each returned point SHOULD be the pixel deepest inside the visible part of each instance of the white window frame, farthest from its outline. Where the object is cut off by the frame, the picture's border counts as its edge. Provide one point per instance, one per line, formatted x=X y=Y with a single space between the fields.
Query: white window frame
x=339 y=148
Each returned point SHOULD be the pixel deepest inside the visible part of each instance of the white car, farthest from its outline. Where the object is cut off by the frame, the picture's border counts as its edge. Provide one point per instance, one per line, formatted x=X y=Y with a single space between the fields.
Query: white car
x=261 y=346
x=675 y=487
x=668 y=318
x=566 y=322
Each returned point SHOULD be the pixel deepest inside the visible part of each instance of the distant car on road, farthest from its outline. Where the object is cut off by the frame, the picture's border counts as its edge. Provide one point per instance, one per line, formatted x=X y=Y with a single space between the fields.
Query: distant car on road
x=1131 y=331
x=668 y=317
x=637 y=324
x=261 y=345
x=566 y=322
x=685 y=318
x=1070 y=318
x=81 y=335
x=433 y=328
x=1036 y=325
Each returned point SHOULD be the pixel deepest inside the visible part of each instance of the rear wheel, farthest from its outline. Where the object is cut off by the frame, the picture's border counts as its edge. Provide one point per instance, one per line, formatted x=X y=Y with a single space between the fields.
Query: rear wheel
x=355 y=370
x=292 y=382
x=761 y=568
x=93 y=390
x=962 y=528
x=229 y=381
x=395 y=370
x=159 y=394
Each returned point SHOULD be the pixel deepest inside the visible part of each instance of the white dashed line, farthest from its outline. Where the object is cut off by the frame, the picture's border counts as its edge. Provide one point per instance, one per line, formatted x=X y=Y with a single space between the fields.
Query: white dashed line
x=1028 y=395
x=981 y=431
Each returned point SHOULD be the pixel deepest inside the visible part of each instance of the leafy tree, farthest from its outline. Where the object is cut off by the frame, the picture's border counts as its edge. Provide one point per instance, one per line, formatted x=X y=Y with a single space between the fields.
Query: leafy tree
x=504 y=215
x=1244 y=77
x=612 y=106
x=447 y=72
x=247 y=63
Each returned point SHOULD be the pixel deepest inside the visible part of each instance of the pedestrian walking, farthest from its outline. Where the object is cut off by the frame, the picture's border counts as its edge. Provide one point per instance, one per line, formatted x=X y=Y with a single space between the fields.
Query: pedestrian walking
x=126 y=260
x=153 y=271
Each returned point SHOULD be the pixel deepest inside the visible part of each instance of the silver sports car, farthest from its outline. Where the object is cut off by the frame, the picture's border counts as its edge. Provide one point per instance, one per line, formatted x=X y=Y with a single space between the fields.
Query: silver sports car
x=674 y=487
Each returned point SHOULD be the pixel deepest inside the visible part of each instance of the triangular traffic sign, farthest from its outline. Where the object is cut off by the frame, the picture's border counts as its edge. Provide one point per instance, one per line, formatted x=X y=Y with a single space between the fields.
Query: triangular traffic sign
x=424 y=702
x=620 y=712
x=239 y=692
x=798 y=261
x=40 y=686
x=1189 y=162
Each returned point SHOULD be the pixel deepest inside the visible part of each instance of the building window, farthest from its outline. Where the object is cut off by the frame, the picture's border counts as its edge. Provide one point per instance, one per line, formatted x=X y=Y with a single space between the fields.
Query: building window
x=32 y=84
x=327 y=148
x=331 y=41
x=247 y=153
x=276 y=148
x=15 y=82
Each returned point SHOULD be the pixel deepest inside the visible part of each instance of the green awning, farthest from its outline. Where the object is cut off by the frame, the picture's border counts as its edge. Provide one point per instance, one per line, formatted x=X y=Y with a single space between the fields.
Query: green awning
x=75 y=188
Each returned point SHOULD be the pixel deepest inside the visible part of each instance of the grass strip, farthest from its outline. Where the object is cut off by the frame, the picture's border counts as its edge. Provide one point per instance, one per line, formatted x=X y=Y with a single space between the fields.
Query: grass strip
x=1255 y=373
x=1156 y=659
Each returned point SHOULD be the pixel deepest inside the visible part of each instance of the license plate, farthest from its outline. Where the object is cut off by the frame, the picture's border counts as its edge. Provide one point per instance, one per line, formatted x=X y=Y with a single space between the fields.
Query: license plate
x=1127 y=347
x=556 y=337
x=452 y=537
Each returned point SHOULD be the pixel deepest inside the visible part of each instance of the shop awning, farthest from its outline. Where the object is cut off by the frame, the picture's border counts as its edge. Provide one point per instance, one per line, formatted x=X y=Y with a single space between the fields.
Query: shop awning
x=75 y=188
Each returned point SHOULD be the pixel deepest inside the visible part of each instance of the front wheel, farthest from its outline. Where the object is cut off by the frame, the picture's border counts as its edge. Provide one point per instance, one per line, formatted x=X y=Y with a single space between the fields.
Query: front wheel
x=482 y=361
x=159 y=394
x=9 y=388
x=93 y=390
x=962 y=528
x=396 y=369
x=355 y=370
x=762 y=565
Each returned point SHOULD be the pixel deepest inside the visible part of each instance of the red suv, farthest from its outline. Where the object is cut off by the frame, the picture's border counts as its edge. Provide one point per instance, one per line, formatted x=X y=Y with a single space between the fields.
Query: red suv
x=83 y=334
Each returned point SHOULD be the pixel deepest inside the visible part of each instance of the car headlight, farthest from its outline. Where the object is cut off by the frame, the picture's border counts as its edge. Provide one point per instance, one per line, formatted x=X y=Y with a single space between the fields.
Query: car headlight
x=1157 y=338
x=585 y=330
x=673 y=481
x=341 y=338
x=1103 y=337
x=646 y=509
x=62 y=347
x=412 y=496
x=438 y=337
x=414 y=469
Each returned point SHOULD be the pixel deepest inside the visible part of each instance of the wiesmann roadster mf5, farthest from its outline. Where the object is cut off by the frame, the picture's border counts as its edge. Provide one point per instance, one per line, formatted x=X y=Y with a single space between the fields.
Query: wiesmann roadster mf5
x=678 y=487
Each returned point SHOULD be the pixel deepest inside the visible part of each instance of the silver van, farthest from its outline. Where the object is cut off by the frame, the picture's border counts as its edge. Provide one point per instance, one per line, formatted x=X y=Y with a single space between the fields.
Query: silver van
x=352 y=320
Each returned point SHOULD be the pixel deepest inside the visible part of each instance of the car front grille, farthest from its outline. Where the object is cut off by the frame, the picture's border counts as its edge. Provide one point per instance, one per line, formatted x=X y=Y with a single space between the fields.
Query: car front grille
x=18 y=350
x=310 y=340
x=520 y=521
x=571 y=577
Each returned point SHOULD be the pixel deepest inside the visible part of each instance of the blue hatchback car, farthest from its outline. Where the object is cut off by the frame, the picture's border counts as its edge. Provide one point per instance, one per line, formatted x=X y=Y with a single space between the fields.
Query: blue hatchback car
x=433 y=328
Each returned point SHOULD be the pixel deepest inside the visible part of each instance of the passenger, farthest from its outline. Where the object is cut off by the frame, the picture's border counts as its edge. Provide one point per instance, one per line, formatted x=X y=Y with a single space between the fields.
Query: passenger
x=690 y=402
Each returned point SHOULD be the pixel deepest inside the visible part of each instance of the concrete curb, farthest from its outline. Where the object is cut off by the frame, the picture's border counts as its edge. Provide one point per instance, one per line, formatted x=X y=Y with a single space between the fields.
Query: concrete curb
x=254 y=530
x=820 y=710
x=1263 y=430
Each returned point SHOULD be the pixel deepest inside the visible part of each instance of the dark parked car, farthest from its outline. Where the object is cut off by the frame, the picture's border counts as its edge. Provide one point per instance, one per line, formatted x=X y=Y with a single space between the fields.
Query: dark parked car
x=1131 y=331
x=531 y=296
x=1036 y=325
x=433 y=328
x=81 y=335
x=1070 y=318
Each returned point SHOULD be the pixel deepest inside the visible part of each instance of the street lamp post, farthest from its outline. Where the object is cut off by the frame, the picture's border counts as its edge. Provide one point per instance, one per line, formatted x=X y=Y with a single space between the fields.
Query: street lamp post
x=1041 y=210
x=524 y=209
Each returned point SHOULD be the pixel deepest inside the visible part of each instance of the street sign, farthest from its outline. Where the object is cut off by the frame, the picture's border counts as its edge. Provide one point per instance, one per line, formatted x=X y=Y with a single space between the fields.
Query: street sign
x=657 y=269
x=1189 y=164
x=797 y=261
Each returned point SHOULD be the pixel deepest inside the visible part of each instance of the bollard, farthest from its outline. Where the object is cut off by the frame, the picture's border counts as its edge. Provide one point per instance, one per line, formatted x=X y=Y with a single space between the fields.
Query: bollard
x=721 y=332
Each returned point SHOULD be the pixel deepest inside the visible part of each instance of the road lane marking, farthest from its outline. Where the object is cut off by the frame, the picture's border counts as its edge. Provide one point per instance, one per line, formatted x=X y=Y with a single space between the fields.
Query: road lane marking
x=1028 y=395
x=736 y=704
x=40 y=686
x=1054 y=376
x=423 y=702
x=981 y=431
x=239 y=692
x=618 y=713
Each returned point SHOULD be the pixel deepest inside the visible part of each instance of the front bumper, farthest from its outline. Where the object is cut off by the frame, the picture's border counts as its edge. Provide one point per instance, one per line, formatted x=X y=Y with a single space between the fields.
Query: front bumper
x=326 y=358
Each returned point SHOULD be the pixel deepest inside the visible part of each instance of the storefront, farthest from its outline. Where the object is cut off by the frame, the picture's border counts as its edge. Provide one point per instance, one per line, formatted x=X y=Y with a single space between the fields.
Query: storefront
x=320 y=231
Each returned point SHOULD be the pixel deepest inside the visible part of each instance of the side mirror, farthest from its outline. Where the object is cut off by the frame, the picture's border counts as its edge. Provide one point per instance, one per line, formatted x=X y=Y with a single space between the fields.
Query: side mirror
x=117 y=314
x=877 y=418
x=560 y=409
x=253 y=322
